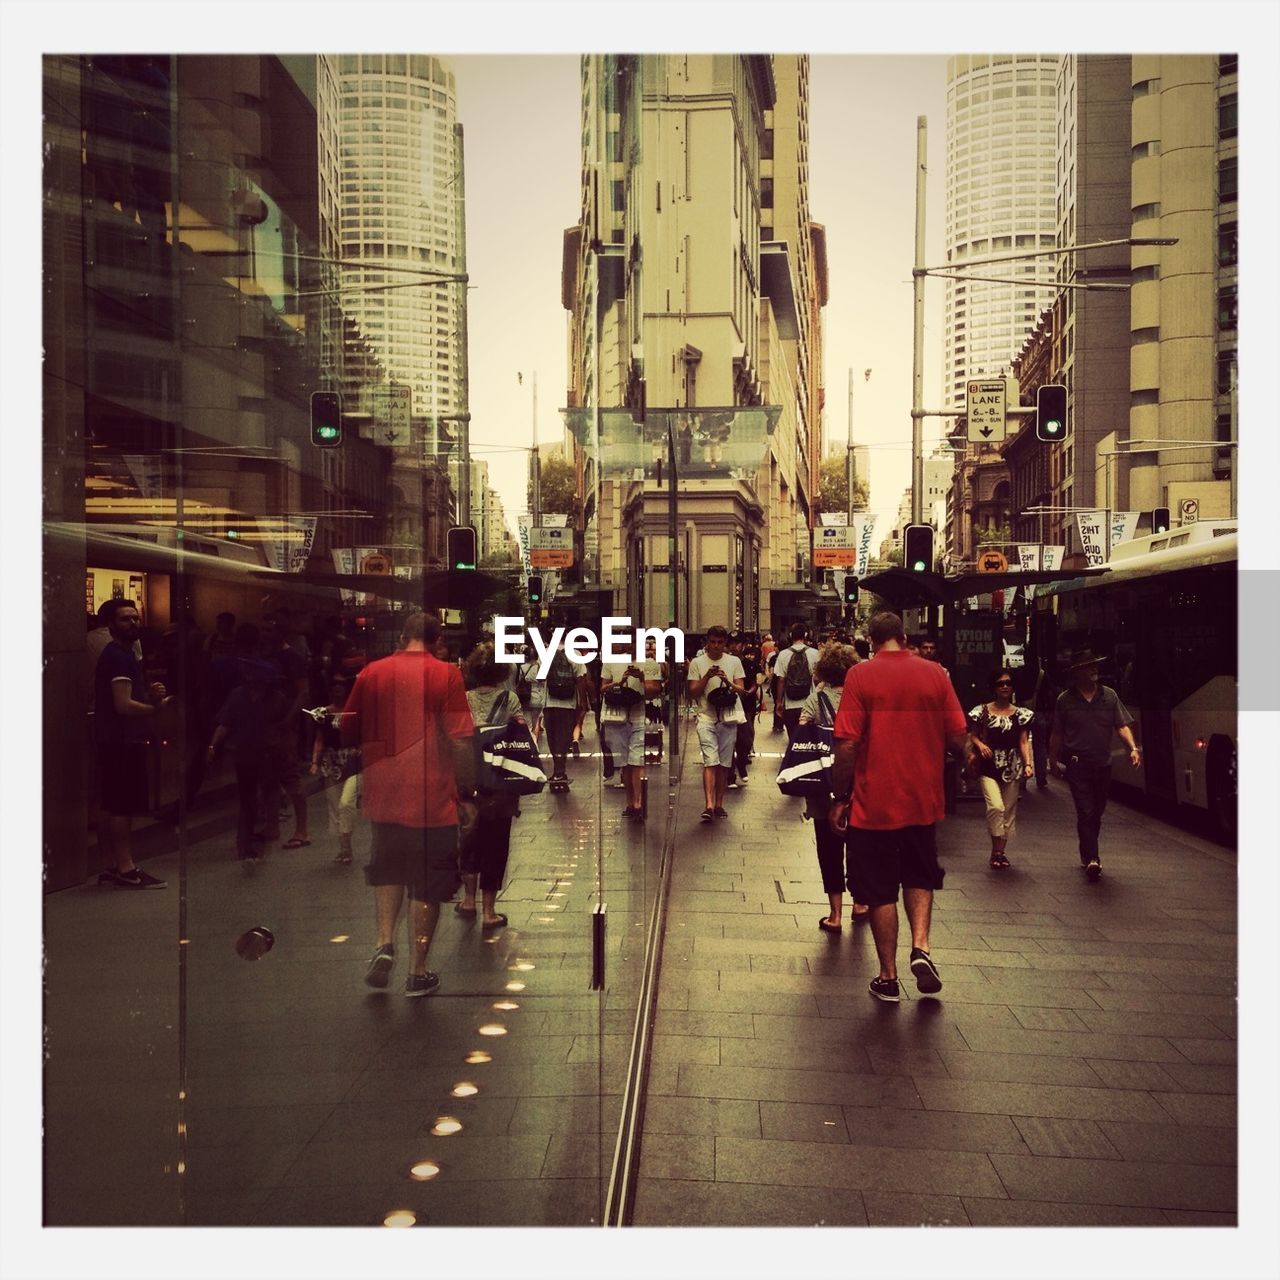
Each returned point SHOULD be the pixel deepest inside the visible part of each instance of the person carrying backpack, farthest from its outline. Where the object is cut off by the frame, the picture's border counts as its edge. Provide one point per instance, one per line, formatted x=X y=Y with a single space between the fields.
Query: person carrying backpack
x=793 y=678
x=566 y=696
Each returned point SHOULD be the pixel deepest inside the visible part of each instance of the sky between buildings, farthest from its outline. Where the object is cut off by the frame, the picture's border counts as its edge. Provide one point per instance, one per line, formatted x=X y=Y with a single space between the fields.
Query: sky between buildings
x=521 y=117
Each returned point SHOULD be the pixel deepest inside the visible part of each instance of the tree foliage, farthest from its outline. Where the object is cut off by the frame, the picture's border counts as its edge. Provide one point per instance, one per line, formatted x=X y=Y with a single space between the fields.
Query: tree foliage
x=559 y=487
x=833 y=487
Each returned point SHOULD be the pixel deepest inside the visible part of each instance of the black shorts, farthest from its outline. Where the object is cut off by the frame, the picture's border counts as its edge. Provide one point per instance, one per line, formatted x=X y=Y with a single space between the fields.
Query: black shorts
x=881 y=861
x=424 y=859
x=122 y=778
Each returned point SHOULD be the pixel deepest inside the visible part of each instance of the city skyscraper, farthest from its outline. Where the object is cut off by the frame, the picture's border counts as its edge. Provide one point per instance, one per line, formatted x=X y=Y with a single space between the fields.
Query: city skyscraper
x=1001 y=188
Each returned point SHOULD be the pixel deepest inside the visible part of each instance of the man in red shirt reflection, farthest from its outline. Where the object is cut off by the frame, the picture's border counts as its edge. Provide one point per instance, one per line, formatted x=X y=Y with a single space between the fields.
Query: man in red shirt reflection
x=898 y=715
x=409 y=715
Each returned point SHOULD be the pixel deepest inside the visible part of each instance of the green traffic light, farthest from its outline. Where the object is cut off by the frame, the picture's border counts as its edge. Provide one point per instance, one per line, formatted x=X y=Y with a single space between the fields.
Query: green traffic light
x=918 y=566
x=327 y=433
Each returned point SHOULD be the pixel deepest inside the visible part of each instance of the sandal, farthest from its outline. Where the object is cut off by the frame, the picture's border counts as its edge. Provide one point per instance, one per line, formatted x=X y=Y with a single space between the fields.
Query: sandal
x=827 y=927
x=497 y=923
x=295 y=843
x=999 y=862
x=460 y=910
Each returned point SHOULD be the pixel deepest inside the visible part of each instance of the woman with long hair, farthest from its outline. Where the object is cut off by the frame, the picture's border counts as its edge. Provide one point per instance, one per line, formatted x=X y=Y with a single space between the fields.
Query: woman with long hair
x=1000 y=754
x=486 y=846
x=821 y=707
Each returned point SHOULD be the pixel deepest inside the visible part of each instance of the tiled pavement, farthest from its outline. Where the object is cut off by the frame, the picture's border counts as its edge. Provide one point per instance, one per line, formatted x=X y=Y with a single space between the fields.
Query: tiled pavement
x=1077 y=1069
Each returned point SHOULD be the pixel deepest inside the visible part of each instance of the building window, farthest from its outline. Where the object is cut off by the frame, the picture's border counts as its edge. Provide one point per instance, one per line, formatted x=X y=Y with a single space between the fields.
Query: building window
x=1228 y=180
x=1228 y=244
x=1226 y=363
x=1228 y=64
x=1227 y=307
x=1144 y=87
x=1141 y=211
x=1228 y=110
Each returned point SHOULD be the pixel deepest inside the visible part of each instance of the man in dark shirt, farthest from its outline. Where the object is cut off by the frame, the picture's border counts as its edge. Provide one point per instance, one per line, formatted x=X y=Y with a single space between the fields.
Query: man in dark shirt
x=281 y=765
x=1085 y=718
x=122 y=704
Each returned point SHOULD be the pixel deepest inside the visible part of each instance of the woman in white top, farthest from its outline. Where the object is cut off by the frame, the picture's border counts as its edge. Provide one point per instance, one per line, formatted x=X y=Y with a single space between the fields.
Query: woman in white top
x=829 y=672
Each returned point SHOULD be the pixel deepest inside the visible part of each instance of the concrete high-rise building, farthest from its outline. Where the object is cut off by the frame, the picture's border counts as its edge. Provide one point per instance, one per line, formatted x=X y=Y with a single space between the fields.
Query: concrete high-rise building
x=1183 y=300
x=1001 y=185
x=399 y=151
x=695 y=280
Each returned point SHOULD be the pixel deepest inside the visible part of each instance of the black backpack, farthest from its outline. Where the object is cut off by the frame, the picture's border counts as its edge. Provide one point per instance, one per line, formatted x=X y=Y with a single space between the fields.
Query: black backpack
x=561 y=681
x=797 y=682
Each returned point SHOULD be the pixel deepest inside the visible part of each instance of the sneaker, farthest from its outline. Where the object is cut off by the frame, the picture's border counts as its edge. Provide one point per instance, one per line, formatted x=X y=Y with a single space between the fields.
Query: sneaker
x=708 y=815
x=721 y=813
x=421 y=984
x=732 y=785
x=135 y=879
x=926 y=972
x=378 y=973
x=884 y=989
x=742 y=781
x=1093 y=870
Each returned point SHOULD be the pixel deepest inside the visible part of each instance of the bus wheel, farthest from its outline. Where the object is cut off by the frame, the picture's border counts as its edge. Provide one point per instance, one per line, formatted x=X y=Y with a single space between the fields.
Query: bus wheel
x=1222 y=785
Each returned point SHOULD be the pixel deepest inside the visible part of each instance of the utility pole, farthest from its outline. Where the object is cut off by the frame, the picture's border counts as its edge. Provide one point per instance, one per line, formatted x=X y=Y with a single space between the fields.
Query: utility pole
x=917 y=346
x=535 y=466
x=464 y=409
x=850 y=465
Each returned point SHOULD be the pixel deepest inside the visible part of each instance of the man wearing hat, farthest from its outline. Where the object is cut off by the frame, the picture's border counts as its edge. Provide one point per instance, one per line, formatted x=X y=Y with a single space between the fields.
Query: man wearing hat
x=1085 y=718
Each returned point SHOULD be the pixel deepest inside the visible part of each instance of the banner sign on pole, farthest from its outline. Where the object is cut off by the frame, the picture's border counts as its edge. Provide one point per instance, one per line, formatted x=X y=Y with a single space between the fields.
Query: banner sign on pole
x=554 y=520
x=523 y=525
x=833 y=519
x=1053 y=558
x=1028 y=557
x=1093 y=537
x=344 y=563
x=864 y=524
x=1123 y=526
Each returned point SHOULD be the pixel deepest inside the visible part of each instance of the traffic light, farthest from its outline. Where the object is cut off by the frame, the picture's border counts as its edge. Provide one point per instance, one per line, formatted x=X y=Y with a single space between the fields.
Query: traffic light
x=1051 y=412
x=326 y=419
x=917 y=548
x=461 y=547
x=851 y=588
x=1160 y=520
x=535 y=589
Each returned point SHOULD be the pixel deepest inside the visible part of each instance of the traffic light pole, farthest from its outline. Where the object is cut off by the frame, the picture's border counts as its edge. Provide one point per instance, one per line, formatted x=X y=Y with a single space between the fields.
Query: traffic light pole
x=917 y=344
x=464 y=414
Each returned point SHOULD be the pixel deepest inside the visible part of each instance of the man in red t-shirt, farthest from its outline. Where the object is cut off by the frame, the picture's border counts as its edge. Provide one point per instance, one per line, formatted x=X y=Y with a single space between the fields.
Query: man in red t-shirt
x=898 y=715
x=409 y=714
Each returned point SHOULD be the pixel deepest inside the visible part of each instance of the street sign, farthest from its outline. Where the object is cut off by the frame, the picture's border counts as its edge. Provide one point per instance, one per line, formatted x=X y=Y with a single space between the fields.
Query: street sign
x=835 y=547
x=1189 y=510
x=541 y=558
x=395 y=429
x=550 y=539
x=984 y=410
x=991 y=561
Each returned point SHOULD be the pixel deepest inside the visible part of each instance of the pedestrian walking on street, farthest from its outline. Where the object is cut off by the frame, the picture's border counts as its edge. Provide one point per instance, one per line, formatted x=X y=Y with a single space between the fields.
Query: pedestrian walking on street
x=1044 y=697
x=339 y=768
x=624 y=688
x=281 y=764
x=485 y=847
x=715 y=682
x=244 y=725
x=1000 y=754
x=122 y=705
x=898 y=716
x=566 y=699
x=408 y=713
x=822 y=707
x=745 y=746
x=793 y=678
x=1086 y=717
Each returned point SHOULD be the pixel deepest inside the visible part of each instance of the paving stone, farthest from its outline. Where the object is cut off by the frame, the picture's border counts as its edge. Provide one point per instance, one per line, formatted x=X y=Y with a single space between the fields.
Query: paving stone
x=1172 y=1143
x=780 y=1085
x=930 y=1130
x=891 y=1061
x=1221 y=1052
x=1131 y=1075
x=667 y=1203
x=1061 y=1101
x=1199 y=1218
x=700 y=1023
x=1197 y=1078
x=1138 y=1023
x=899 y=1209
x=797 y=1054
x=1040 y=1019
x=681 y=1156
x=803 y=1122
x=1017 y=1067
x=985 y=1212
x=1078 y=1138
x=923 y=1026
x=1071 y=1044
x=1116 y=1182
x=1199 y=1108
x=856 y=1168
x=737 y=1117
